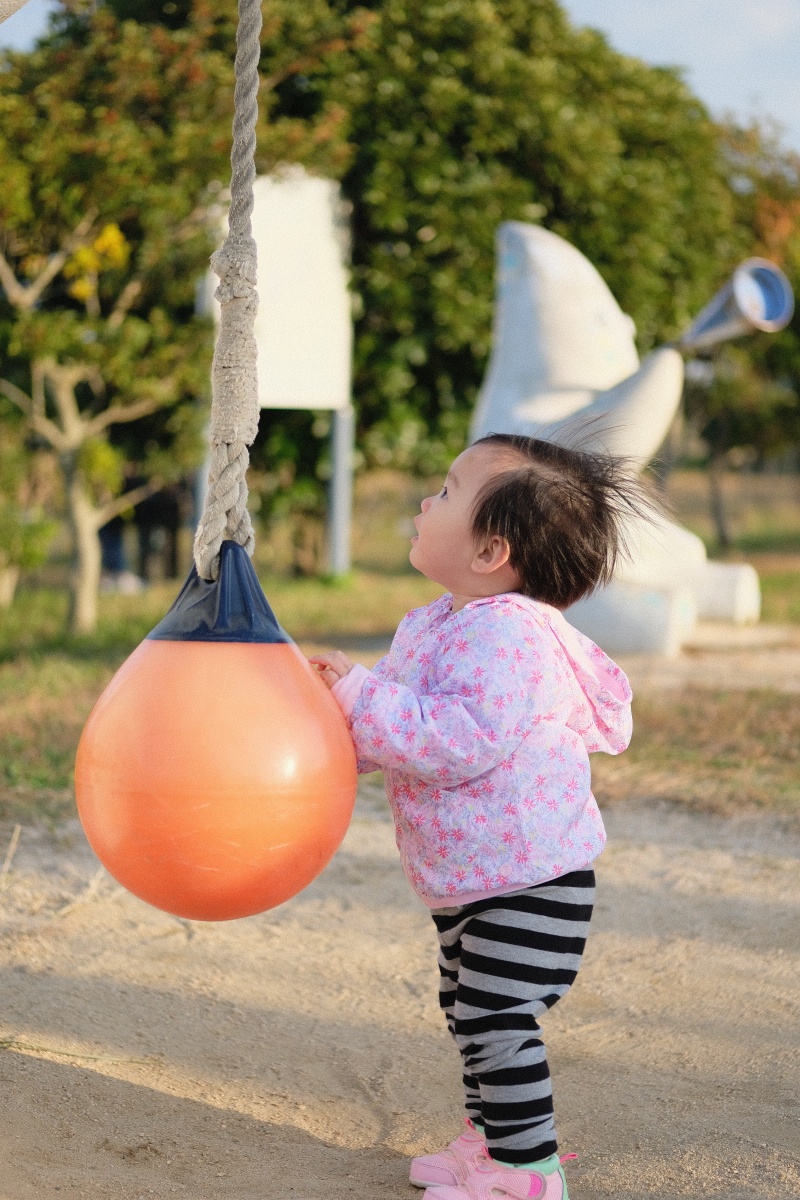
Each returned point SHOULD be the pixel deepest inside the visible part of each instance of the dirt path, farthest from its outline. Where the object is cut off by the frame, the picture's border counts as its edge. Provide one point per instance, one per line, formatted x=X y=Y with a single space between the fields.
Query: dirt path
x=301 y=1053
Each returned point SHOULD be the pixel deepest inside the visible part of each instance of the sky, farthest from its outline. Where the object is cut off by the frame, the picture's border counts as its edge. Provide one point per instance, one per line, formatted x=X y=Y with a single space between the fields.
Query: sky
x=740 y=56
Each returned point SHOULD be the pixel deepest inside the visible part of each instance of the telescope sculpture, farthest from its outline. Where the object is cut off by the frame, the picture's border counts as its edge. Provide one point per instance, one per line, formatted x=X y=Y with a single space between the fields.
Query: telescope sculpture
x=564 y=367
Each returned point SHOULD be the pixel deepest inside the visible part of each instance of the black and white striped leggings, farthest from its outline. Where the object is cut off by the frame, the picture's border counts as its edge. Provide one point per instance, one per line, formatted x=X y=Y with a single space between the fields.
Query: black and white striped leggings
x=503 y=962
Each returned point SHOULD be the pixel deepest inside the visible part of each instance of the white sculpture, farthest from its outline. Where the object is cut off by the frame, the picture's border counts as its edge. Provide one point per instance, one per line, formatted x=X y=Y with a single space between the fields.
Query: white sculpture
x=9 y=7
x=564 y=367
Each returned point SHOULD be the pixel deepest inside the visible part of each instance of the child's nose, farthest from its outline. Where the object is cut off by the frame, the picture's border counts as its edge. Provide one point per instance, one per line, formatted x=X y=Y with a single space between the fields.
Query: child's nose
x=426 y=503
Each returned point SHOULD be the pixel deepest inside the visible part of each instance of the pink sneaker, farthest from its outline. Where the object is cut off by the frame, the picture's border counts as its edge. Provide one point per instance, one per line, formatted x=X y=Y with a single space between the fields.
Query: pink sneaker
x=448 y=1166
x=488 y=1180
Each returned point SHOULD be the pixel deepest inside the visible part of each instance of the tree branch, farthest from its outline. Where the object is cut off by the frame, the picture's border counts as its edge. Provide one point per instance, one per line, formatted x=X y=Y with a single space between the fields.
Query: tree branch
x=128 y=500
x=37 y=388
x=38 y=421
x=26 y=297
x=15 y=292
x=16 y=396
x=63 y=379
x=50 y=432
x=56 y=261
x=94 y=378
x=126 y=299
x=121 y=414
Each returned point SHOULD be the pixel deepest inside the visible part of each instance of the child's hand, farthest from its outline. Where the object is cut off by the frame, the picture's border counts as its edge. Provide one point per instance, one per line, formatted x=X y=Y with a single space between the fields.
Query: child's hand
x=331 y=667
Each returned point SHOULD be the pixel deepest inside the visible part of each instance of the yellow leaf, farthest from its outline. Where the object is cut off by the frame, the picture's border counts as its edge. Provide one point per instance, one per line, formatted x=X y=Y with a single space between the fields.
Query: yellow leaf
x=85 y=261
x=112 y=246
x=82 y=289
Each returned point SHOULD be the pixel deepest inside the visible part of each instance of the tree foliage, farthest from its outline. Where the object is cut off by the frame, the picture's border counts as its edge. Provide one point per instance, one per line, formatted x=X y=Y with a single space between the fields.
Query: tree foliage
x=465 y=113
x=442 y=118
x=752 y=405
x=115 y=141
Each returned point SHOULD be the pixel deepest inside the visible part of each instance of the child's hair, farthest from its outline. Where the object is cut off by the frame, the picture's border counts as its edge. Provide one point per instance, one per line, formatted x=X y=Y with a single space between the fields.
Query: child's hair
x=562 y=512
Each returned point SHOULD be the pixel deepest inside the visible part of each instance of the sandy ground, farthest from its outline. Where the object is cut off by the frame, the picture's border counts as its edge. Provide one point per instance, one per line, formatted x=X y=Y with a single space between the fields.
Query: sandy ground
x=301 y=1053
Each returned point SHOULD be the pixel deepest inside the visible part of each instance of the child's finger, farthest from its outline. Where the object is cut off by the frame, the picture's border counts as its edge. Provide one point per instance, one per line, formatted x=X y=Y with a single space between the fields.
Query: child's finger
x=333 y=661
x=329 y=675
x=322 y=663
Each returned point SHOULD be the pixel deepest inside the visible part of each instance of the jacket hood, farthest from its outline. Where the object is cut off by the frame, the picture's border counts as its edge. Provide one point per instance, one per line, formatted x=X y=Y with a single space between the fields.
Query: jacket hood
x=602 y=713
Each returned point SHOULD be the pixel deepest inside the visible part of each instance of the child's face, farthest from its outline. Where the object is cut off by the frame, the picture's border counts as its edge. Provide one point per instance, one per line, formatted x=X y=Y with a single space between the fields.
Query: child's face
x=444 y=548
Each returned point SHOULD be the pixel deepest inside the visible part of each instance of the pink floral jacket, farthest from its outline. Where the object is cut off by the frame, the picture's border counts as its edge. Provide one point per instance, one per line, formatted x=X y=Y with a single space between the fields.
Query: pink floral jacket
x=482 y=722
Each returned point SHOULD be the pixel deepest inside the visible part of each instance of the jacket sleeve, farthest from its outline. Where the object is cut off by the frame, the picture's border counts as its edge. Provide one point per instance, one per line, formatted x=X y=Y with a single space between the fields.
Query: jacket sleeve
x=346 y=692
x=476 y=709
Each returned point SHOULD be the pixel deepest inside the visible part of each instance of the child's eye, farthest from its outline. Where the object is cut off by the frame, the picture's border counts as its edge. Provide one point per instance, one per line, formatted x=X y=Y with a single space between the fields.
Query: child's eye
x=443 y=492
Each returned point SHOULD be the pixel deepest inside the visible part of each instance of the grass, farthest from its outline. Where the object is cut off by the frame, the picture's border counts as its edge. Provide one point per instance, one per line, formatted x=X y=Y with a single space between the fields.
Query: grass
x=780 y=587
x=716 y=751
x=43 y=705
x=763 y=511
x=366 y=604
x=49 y=680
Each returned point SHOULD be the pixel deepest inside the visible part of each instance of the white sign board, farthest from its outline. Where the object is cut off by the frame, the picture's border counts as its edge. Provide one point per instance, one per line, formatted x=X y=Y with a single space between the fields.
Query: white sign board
x=303 y=328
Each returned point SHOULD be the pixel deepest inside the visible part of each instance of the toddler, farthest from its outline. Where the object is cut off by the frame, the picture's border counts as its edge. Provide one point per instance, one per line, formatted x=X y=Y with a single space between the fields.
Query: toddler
x=482 y=717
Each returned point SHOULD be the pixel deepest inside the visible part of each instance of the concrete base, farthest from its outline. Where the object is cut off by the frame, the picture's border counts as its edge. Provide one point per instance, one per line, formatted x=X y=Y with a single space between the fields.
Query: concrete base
x=624 y=618
x=628 y=618
x=728 y=592
x=661 y=588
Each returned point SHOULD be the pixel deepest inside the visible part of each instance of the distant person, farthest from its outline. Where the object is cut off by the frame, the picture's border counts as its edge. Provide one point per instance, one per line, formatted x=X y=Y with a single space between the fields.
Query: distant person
x=116 y=575
x=482 y=717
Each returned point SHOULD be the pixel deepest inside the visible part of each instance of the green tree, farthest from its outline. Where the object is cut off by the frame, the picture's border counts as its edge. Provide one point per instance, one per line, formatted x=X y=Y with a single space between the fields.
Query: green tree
x=746 y=406
x=461 y=114
x=100 y=240
x=465 y=113
x=765 y=181
x=114 y=138
x=443 y=118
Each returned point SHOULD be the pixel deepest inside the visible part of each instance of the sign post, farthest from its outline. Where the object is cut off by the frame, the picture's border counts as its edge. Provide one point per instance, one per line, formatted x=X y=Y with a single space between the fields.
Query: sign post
x=304 y=325
x=304 y=330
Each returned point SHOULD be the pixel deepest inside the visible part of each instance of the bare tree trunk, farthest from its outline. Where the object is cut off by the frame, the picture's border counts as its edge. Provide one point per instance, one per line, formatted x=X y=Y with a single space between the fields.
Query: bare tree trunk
x=67 y=433
x=716 y=475
x=9 y=578
x=307 y=544
x=85 y=582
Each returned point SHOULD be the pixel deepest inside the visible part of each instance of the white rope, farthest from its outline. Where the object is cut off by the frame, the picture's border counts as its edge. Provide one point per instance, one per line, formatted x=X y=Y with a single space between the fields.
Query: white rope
x=234 y=404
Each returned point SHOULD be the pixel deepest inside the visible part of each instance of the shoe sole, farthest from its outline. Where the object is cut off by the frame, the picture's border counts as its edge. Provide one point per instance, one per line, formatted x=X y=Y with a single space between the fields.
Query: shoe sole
x=428 y=1183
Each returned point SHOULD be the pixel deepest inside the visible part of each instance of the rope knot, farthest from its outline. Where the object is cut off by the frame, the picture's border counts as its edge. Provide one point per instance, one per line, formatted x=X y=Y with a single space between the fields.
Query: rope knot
x=235 y=264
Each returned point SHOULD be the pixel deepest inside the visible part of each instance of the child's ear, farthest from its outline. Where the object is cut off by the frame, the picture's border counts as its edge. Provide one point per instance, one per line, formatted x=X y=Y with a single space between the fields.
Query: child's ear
x=491 y=555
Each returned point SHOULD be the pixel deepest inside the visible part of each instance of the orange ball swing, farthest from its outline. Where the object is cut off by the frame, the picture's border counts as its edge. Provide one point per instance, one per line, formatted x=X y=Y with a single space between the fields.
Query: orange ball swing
x=215 y=777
